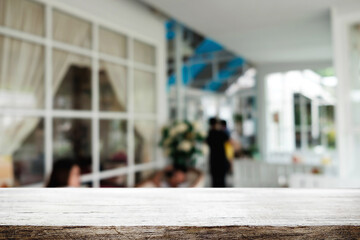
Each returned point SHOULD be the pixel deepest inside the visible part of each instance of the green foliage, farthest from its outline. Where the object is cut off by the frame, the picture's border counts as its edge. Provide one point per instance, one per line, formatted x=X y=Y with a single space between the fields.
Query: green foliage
x=182 y=141
x=238 y=118
x=327 y=72
x=331 y=138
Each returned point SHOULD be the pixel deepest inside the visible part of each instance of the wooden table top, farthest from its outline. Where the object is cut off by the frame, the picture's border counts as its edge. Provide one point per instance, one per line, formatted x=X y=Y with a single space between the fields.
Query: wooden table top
x=236 y=208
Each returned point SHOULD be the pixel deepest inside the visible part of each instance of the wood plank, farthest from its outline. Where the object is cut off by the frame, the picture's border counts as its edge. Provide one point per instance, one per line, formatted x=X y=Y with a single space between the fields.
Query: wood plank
x=146 y=232
x=179 y=213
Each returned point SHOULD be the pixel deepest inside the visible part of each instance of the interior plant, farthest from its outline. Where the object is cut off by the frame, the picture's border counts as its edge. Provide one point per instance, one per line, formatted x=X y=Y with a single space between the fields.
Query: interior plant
x=238 y=118
x=182 y=142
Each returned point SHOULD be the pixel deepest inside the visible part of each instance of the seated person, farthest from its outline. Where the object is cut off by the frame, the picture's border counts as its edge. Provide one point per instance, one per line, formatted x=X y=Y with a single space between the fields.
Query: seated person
x=65 y=173
x=175 y=178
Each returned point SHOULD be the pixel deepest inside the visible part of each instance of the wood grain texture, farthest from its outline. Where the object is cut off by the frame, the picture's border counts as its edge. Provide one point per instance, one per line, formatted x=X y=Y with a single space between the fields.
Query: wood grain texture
x=179 y=213
x=146 y=232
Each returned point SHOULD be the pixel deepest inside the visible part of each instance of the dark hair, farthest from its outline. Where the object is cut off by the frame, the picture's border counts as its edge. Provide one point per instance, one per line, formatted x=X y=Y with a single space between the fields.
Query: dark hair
x=223 y=123
x=60 y=173
x=212 y=121
x=170 y=173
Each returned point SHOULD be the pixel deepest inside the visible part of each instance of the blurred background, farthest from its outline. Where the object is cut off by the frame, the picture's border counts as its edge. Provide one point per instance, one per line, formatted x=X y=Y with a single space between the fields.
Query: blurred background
x=124 y=90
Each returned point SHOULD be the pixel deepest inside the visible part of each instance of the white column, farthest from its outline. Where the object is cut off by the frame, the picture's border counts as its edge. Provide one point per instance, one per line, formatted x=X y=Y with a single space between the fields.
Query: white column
x=303 y=124
x=261 y=108
x=315 y=122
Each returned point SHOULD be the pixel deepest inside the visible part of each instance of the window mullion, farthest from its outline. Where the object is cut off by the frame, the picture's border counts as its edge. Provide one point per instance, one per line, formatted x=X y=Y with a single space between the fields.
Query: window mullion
x=95 y=106
x=130 y=125
x=48 y=92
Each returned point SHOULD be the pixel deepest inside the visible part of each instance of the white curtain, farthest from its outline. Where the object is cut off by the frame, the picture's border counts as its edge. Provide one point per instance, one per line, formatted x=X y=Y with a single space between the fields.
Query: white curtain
x=23 y=15
x=112 y=43
x=144 y=92
x=146 y=130
x=71 y=30
x=22 y=70
x=144 y=84
x=21 y=85
x=145 y=98
x=144 y=102
x=144 y=53
x=117 y=77
x=62 y=61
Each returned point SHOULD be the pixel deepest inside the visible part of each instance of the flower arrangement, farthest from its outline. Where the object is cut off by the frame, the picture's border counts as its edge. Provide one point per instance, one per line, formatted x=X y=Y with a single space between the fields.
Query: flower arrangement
x=182 y=141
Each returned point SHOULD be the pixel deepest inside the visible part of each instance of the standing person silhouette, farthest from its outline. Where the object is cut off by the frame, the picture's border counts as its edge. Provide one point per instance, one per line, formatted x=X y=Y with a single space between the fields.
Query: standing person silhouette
x=219 y=164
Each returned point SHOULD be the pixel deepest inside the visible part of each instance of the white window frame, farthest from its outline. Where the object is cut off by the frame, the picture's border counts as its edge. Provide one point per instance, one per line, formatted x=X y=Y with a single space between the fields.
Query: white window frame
x=48 y=113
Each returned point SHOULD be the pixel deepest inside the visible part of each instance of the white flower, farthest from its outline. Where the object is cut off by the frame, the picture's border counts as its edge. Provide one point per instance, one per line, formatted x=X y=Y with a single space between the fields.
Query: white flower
x=185 y=146
x=173 y=132
x=202 y=134
x=196 y=126
x=167 y=142
x=166 y=152
x=182 y=127
x=205 y=149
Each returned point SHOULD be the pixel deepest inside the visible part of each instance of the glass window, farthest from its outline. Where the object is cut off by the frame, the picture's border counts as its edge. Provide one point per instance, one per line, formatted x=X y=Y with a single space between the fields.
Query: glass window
x=118 y=181
x=308 y=112
x=142 y=176
x=21 y=87
x=113 y=87
x=297 y=112
x=298 y=139
x=113 y=144
x=88 y=184
x=22 y=147
x=72 y=139
x=22 y=15
x=327 y=126
x=71 y=30
x=71 y=81
x=144 y=53
x=145 y=141
x=112 y=43
x=144 y=92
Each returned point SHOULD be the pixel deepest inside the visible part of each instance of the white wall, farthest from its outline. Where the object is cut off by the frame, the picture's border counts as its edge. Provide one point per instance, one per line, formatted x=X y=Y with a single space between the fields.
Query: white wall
x=344 y=8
